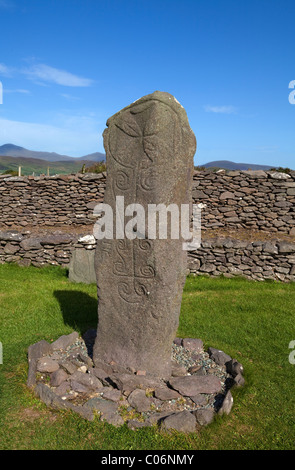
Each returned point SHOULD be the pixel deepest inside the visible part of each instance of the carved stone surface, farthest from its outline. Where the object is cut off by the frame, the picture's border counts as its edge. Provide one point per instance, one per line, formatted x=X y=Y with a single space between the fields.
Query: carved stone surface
x=149 y=149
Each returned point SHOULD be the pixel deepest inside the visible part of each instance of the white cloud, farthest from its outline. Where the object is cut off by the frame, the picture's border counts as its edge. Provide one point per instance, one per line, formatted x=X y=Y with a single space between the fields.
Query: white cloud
x=69 y=97
x=6 y=71
x=18 y=90
x=52 y=75
x=220 y=109
x=68 y=139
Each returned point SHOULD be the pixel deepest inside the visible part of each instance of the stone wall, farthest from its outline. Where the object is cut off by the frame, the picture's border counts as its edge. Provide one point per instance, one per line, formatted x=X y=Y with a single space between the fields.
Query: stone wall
x=256 y=260
x=248 y=221
x=39 y=249
x=50 y=201
x=256 y=200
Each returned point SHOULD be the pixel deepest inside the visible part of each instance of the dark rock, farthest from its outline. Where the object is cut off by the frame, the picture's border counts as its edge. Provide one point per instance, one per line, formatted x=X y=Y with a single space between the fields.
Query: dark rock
x=157 y=417
x=10 y=249
x=204 y=416
x=166 y=393
x=226 y=404
x=113 y=418
x=100 y=374
x=56 y=239
x=193 y=344
x=88 y=380
x=31 y=244
x=107 y=409
x=101 y=405
x=107 y=368
x=199 y=399
x=79 y=387
x=139 y=400
x=68 y=366
x=86 y=359
x=227 y=195
x=46 y=364
x=270 y=248
x=195 y=369
x=63 y=389
x=127 y=382
x=11 y=236
x=285 y=247
x=184 y=421
x=234 y=367
x=58 y=377
x=65 y=341
x=134 y=424
x=46 y=395
x=239 y=380
x=178 y=370
x=84 y=412
x=178 y=341
x=218 y=356
x=35 y=352
x=192 y=385
x=112 y=394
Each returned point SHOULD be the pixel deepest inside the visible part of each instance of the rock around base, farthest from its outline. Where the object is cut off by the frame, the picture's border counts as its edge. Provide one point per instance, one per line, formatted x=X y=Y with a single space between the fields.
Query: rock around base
x=63 y=376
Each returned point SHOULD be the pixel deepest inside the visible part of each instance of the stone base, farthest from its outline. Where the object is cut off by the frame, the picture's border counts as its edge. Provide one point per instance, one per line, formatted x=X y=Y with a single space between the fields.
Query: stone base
x=62 y=375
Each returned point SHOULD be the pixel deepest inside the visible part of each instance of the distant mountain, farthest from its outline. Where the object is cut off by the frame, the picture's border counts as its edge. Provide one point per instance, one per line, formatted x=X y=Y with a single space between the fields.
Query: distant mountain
x=228 y=165
x=11 y=150
x=93 y=157
x=38 y=166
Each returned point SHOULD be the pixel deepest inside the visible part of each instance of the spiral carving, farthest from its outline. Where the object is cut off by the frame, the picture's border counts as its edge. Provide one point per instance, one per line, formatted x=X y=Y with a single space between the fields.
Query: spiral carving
x=122 y=180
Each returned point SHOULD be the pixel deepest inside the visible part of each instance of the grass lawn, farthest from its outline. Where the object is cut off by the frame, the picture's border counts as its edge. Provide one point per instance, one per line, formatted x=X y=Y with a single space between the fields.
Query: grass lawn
x=252 y=322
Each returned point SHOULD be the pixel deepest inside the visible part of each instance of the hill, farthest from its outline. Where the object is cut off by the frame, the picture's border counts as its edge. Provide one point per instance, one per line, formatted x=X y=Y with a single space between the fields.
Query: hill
x=11 y=150
x=228 y=165
x=39 y=166
x=94 y=157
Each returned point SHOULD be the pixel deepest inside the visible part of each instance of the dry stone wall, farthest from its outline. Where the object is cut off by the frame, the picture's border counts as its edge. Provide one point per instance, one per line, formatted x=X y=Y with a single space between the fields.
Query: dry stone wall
x=255 y=200
x=44 y=219
x=56 y=248
x=253 y=260
x=53 y=201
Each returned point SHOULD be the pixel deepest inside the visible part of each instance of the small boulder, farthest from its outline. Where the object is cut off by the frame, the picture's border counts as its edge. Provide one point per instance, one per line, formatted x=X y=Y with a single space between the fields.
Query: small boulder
x=193 y=344
x=139 y=400
x=46 y=364
x=166 y=393
x=183 y=421
x=58 y=377
x=65 y=341
x=218 y=356
x=226 y=404
x=192 y=385
x=204 y=416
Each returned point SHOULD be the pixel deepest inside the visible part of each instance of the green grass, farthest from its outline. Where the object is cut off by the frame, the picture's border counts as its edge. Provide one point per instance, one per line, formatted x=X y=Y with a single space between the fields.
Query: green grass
x=253 y=322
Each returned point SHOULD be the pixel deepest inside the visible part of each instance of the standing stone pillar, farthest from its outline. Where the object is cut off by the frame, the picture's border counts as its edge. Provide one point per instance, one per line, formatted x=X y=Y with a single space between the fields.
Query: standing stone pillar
x=149 y=149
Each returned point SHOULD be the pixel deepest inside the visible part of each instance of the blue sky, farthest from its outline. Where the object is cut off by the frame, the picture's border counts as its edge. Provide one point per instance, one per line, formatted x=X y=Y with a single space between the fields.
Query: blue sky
x=68 y=65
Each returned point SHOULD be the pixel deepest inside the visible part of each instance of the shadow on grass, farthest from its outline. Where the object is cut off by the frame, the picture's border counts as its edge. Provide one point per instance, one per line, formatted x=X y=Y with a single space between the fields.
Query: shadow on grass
x=79 y=310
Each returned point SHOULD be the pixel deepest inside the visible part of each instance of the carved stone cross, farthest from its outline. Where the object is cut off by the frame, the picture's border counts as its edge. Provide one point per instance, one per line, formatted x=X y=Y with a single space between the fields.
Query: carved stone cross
x=149 y=149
